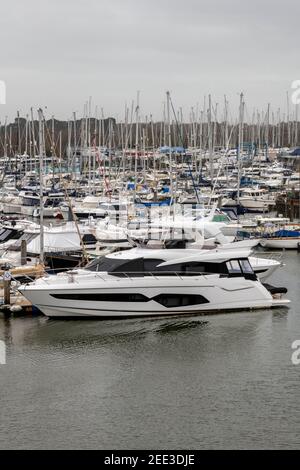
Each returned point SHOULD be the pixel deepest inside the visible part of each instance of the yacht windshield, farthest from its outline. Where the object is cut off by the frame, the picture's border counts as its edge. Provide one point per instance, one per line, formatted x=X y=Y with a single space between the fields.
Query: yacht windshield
x=239 y=267
x=105 y=264
x=115 y=265
x=233 y=267
x=246 y=266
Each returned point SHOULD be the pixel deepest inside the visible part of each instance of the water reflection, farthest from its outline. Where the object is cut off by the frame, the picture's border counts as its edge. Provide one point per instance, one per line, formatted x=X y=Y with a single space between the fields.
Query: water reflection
x=179 y=382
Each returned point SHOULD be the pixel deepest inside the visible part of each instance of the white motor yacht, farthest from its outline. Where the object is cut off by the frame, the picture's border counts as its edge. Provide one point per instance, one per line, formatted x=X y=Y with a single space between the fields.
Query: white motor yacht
x=141 y=282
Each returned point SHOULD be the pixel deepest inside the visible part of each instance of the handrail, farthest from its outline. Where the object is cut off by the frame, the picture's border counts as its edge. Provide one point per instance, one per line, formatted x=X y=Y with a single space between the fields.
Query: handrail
x=130 y=275
x=156 y=274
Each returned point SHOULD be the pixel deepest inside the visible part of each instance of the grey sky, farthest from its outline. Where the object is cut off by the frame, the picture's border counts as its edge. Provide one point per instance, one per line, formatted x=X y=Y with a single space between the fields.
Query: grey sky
x=57 y=53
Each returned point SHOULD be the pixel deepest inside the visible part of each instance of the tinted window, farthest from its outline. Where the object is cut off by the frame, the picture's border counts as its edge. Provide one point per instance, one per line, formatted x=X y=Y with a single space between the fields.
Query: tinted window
x=233 y=267
x=103 y=297
x=151 y=264
x=105 y=264
x=114 y=265
x=193 y=267
x=179 y=300
x=246 y=266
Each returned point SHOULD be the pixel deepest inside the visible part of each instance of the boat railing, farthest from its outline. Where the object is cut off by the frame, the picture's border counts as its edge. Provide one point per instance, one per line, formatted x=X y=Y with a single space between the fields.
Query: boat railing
x=117 y=276
x=132 y=275
x=27 y=277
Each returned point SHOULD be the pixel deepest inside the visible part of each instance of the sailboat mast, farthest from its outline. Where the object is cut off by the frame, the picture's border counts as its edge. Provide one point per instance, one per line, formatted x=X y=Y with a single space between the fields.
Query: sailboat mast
x=136 y=141
x=26 y=140
x=240 y=143
x=267 y=131
x=170 y=145
x=210 y=142
x=41 y=155
x=5 y=138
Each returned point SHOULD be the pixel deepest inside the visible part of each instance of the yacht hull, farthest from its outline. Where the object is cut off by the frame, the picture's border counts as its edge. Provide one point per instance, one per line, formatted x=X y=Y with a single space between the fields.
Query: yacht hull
x=64 y=312
x=218 y=294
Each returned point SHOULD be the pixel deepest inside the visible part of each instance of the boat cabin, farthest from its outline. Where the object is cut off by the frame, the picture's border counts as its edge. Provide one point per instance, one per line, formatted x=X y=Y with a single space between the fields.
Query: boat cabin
x=159 y=267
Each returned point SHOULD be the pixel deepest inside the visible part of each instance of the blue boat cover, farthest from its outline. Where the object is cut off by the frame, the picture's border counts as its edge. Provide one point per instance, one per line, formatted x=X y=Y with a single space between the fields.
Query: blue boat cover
x=295 y=152
x=287 y=233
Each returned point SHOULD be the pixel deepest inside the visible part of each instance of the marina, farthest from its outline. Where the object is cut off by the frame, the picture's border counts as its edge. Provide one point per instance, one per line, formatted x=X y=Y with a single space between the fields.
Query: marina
x=98 y=223
x=149 y=232
x=118 y=261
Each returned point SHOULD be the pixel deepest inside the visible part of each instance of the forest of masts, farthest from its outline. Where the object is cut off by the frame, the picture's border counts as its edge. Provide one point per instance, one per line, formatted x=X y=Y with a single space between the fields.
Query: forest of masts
x=209 y=126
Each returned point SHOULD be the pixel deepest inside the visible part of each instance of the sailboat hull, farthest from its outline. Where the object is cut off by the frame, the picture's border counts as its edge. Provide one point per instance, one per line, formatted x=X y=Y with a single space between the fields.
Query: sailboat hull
x=292 y=243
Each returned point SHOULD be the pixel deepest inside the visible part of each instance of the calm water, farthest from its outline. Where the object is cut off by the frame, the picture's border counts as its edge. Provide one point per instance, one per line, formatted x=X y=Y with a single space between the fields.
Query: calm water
x=222 y=381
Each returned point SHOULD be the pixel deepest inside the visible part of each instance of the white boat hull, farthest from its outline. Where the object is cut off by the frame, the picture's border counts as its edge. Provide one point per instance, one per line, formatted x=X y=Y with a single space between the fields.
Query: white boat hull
x=289 y=243
x=8 y=208
x=220 y=294
x=254 y=204
x=27 y=210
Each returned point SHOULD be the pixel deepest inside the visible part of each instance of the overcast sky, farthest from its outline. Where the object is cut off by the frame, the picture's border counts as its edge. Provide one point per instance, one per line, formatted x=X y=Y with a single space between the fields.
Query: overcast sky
x=57 y=53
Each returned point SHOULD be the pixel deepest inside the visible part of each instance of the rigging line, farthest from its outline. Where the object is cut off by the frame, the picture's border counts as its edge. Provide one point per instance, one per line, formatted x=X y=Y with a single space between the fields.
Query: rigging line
x=220 y=165
x=181 y=139
x=84 y=252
